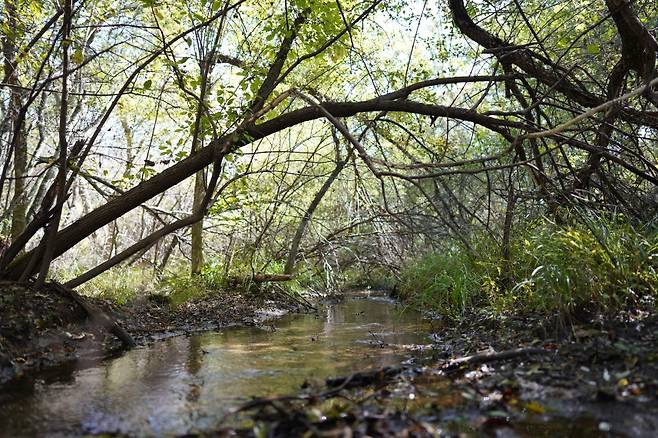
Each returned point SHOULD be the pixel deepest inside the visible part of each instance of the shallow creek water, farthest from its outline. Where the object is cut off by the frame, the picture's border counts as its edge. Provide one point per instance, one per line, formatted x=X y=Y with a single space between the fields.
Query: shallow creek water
x=187 y=384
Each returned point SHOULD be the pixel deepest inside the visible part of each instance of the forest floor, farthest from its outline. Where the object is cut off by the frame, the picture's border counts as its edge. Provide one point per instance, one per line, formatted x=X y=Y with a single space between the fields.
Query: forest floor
x=601 y=380
x=42 y=330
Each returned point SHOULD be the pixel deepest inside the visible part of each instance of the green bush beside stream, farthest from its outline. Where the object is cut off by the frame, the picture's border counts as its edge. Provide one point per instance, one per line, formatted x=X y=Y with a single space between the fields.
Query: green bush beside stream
x=593 y=264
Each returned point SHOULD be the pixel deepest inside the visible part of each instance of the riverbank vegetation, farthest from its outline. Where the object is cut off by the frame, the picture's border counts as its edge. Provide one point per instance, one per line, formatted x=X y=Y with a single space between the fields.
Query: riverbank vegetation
x=472 y=158
x=588 y=266
x=468 y=163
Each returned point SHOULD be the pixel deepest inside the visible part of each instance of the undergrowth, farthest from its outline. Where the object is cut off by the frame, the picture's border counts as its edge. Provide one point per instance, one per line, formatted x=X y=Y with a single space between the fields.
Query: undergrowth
x=122 y=284
x=368 y=276
x=125 y=284
x=592 y=264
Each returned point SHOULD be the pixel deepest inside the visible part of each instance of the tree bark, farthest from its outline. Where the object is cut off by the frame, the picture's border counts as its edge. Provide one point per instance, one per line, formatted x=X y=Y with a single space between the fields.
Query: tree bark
x=506 y=250
x=17 y=128
x=50 y=234
x=197 y=227
x=303 y=224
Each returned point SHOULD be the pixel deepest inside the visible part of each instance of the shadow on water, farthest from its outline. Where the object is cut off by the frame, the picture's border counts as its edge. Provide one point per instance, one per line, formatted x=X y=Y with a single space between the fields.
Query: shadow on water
x=186 y=384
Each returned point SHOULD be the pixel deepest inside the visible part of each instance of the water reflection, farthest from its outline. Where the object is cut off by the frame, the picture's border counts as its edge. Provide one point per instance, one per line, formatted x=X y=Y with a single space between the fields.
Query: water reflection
x=184 y=385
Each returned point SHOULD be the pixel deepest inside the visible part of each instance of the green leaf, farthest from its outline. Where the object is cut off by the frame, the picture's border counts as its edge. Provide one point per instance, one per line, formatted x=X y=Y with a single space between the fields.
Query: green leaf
x=147 y=84
x=77 y=57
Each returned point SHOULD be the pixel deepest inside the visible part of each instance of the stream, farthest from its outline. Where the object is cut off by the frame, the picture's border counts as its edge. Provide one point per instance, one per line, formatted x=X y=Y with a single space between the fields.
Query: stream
x=186 y=384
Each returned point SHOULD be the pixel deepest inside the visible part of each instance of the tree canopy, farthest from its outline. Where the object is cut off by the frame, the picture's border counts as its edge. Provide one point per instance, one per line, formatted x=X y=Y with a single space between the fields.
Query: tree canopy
x=333 y=132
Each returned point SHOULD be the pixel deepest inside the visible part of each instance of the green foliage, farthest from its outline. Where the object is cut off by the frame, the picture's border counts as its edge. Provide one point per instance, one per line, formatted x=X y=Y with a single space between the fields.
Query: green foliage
x=375 y=277
x=593 y=264
x=448 y=282
x=126 y=284
x=122 y=284
x=182 y=288
x=309 y=280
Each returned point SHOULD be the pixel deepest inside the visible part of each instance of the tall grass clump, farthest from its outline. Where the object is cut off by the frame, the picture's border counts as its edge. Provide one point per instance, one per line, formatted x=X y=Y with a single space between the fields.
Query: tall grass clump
x=448 y=282
x=590 y=264
x=594 y=264
x=122 y=284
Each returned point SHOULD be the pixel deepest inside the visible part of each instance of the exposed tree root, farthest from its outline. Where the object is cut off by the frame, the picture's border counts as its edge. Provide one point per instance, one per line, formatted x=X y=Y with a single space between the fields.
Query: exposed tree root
x=96 y=315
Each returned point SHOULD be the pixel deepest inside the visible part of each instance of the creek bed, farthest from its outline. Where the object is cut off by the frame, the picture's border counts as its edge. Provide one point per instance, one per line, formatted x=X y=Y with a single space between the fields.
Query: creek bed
x=187 y=384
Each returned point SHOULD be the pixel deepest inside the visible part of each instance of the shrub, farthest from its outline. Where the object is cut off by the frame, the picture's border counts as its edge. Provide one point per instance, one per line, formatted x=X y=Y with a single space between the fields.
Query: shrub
x=184 y=287
x=447 y=282
x=122 y=284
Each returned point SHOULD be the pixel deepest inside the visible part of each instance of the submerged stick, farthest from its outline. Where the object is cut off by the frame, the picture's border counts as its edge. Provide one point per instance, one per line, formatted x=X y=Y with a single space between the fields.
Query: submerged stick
x=270 y=401
x=365 y=378
x=491 y=357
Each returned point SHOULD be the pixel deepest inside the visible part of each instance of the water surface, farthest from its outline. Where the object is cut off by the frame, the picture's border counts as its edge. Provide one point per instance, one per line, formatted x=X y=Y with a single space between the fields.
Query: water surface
x=187 y=384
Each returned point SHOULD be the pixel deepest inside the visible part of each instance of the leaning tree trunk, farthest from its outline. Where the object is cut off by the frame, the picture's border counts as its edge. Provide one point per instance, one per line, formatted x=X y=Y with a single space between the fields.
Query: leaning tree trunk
x=17 y=128
x=197 y=227
x=301 y=229
x=50 y=233
x=151 y=239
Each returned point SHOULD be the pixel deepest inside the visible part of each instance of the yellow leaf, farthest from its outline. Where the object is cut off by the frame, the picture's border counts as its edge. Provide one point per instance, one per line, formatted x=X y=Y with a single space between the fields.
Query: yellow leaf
x=535 y=407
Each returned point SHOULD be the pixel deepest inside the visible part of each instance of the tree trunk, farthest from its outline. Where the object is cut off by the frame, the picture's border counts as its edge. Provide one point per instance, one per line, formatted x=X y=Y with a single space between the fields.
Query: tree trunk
x=506 y=251
x=20 y=198
x=148 y=241
x=301 y=229
x=19 y=141
x=197 y=227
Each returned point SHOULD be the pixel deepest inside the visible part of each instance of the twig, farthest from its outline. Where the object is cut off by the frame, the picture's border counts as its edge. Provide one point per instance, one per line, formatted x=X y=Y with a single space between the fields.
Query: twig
x=491 y=357
x=271 y=400
x=365 y=378
x=587 y=114
x=377 y=339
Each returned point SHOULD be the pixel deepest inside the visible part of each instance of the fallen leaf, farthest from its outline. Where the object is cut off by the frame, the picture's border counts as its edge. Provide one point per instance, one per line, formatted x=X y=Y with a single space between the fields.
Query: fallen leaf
x=535 y=408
